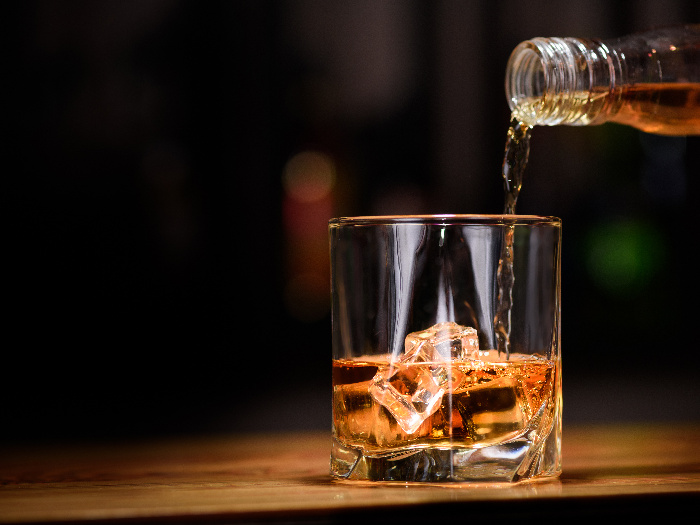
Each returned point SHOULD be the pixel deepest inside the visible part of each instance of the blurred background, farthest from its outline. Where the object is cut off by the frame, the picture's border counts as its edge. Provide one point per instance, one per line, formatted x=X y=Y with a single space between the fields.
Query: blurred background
x=171 y=167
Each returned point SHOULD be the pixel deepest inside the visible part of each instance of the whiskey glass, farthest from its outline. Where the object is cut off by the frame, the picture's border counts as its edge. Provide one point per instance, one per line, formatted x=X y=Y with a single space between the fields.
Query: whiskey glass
x=446 y=348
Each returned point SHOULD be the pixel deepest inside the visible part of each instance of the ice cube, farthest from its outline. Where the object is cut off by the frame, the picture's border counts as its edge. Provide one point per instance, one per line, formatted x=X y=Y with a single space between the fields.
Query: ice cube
x=410 y=392
x=412 y=387
x=359 y=419
x=444 y=342
x=493 y=412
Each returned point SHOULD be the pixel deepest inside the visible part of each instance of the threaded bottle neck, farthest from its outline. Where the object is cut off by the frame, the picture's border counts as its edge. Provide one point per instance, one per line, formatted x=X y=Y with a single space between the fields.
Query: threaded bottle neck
x=551 y=81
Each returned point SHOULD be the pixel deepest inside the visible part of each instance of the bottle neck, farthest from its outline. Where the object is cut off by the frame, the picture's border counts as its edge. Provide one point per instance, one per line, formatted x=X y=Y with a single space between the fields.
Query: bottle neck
x=551 y=81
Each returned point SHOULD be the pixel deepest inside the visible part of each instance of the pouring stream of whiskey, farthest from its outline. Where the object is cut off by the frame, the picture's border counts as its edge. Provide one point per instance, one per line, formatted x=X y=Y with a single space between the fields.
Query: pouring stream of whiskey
x=514 y=162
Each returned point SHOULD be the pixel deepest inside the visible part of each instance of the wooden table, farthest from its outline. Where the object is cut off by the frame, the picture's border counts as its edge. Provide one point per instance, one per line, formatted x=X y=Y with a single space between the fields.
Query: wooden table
x=649 y=471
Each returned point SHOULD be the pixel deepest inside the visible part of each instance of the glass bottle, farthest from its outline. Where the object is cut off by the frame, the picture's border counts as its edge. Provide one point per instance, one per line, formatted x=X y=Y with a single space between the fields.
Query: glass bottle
x=650 y=81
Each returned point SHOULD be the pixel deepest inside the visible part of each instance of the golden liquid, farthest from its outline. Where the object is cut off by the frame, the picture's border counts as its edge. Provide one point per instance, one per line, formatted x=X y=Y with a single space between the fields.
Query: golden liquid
x=665 y=109
x=662 y=108
x=494 y=402
x=515 y=159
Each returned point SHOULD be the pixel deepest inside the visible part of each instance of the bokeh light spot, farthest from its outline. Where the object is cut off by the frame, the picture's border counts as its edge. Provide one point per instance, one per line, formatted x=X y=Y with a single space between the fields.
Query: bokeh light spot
x=623 y=256
x=309 y=176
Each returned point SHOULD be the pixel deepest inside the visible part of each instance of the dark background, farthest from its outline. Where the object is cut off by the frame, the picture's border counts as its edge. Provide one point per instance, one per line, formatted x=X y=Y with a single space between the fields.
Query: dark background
x=163 y=277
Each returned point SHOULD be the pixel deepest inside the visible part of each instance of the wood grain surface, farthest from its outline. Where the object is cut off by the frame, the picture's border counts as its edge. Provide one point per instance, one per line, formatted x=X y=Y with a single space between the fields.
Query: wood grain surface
x=609 y=471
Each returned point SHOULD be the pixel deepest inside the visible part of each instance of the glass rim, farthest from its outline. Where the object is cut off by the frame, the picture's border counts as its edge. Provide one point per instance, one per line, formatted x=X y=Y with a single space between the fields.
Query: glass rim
x=446 y=219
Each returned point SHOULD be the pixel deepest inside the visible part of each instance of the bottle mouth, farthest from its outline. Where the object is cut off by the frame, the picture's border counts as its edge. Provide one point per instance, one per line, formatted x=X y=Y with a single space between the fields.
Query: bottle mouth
x=544 y=81
x=526 y=83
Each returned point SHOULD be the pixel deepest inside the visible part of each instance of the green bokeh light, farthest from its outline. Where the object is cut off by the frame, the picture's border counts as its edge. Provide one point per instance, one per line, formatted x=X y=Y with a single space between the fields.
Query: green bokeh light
x=623 y=256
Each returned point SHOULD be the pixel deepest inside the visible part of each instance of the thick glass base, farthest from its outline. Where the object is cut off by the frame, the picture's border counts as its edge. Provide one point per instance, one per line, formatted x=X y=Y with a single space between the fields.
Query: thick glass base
x=519 y=459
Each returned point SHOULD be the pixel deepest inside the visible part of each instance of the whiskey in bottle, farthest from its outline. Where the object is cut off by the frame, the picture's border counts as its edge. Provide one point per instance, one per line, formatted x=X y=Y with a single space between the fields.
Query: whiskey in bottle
x=650 y=81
